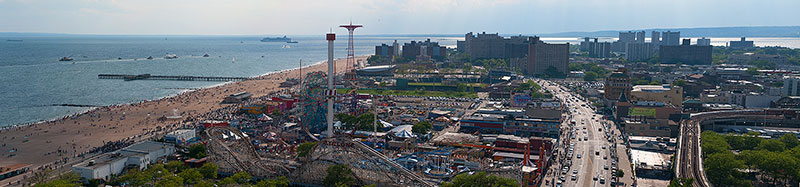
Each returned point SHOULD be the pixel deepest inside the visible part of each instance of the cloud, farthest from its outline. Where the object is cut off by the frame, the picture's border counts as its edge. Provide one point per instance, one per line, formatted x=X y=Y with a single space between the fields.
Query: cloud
x=89 y=10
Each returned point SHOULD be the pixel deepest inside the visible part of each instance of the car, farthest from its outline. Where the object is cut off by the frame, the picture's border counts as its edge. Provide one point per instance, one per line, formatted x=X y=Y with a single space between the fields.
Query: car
x=600 y=129
x=602 y=180
x=605 y=167
x=594 y=178
x=575 y=171
x=605 y=157
x=586 y=138
x=597 y=153
x=574 y=177
x=604 y=147
x=579 y=155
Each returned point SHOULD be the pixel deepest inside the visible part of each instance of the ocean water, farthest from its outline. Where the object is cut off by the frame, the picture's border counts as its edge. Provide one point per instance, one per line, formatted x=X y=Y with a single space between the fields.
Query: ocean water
x=33 y=79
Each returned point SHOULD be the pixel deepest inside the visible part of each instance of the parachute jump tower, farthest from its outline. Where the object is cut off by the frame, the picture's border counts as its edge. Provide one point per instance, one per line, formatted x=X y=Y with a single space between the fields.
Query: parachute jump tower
x=351 y=59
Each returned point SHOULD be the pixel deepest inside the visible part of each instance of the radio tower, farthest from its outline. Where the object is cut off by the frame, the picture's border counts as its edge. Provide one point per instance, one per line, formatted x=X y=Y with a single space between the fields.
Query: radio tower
x=351 y=58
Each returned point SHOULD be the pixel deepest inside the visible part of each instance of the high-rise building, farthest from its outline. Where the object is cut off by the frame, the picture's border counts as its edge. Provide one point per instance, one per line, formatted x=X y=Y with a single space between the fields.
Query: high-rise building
x=542 y=56
x=384 y=50
x=670 y=38
x=596 y=49
x=639 y=51
x=640 y=37
x=424 y=48
x=655 y=38
x=627 y=37
x=396 y=48
x=494 y=46
x=704 y=41
x=484 y=45
x=618 y=83
x=741 y=44
x=686 y=54
x=791 y=86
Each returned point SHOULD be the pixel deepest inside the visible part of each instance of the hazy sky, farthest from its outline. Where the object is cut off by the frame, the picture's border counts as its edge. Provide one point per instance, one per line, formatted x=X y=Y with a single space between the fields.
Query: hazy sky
x=303 y=17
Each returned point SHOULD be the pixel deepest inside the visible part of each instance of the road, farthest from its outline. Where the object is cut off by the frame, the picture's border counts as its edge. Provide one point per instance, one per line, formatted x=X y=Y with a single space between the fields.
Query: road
x=588 y=140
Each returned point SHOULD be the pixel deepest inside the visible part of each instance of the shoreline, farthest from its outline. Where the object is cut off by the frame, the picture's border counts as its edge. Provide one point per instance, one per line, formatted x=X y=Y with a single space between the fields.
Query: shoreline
x=183 y=91
x=79 y=133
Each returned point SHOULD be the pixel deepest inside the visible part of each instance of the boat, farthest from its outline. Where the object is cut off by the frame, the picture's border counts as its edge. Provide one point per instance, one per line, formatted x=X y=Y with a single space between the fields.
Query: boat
x=292 y=42
x=233 y=60
x=286 y=46
x=206 y=55
x=277 y=39
x=171 y=56
x=150 y=58
x=65 y=59
x=120 y=58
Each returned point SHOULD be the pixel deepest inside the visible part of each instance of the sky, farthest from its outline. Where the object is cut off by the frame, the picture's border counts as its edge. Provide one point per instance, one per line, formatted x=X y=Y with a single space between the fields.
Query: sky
x=309 y=17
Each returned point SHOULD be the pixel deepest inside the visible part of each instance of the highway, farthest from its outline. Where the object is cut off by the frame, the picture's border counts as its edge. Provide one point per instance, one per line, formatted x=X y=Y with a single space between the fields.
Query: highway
x=584 y=149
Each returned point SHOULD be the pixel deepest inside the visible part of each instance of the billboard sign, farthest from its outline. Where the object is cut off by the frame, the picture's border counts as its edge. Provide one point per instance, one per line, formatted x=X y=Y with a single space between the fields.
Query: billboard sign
x=649 y=112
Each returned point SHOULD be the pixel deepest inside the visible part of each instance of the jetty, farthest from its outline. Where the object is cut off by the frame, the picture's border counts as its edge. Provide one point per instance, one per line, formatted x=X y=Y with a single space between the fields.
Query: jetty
x=168 y=77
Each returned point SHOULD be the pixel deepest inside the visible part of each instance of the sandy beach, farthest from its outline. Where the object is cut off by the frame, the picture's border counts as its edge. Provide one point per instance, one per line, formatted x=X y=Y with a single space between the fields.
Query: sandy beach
x=61 y=141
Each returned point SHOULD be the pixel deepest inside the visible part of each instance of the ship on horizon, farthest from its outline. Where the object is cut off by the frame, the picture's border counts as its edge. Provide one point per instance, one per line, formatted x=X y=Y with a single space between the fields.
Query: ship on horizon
x=278 y=39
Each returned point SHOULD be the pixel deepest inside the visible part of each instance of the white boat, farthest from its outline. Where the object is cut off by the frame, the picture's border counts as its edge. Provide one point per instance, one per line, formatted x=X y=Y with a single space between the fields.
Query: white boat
x=171 y=56
x=233 y=60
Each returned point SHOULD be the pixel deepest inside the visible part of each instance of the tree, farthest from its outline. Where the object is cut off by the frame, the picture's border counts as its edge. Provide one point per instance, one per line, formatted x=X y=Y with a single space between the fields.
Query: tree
x=771 y=145
x=197 y=151
x=752 y=71
x=552 y=72
x=204 y=183
x=590 y=76
x=339 y=174
x=721 y=168
x=70 y=179
x=241 y=177
x=790 y=140
x=679 y=82
x=191 y=176
x=170 y=181
x=305 y=148
x=174 y=166
x=209 y=170
x=281 y=181
x=421 y=127
x=620 y=173
x=681 y=182
x=480 y=179
x=713 y=143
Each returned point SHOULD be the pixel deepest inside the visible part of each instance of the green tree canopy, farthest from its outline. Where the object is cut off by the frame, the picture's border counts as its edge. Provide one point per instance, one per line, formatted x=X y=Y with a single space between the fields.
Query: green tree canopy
x=305 y=148
x=339 y=174
x=421 y=127
x=480 y=179
x=209 y=170
x=281 y=181
x=191 y=176
x=197 y=151
x=790 y=140
x=174 y=166
x=771 y=145
x=681 y=182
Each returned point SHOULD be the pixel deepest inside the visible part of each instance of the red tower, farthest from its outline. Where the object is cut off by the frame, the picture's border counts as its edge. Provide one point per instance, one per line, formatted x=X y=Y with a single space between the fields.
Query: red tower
x=351 y=58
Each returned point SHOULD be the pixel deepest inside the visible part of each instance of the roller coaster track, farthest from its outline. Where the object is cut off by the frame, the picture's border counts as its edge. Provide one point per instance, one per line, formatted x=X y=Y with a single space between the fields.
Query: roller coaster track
x=368 y=165
x=243 y=156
